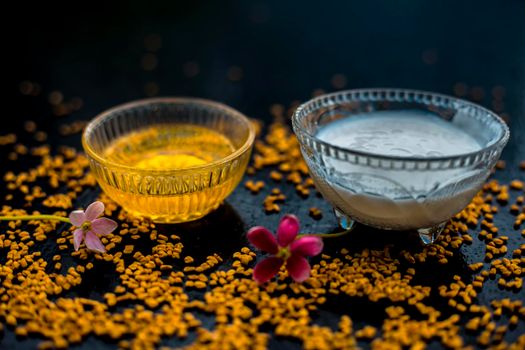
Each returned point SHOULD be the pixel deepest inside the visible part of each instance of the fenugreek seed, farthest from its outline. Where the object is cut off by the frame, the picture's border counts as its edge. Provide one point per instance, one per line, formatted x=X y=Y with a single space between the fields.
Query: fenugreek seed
x=276 y=176
x=516 y=185
x=368 y=332
x=315 y=213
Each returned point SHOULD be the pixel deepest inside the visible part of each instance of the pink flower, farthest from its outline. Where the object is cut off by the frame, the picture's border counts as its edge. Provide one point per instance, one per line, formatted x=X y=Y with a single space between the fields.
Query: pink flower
x=285 y=249
x=89 y=226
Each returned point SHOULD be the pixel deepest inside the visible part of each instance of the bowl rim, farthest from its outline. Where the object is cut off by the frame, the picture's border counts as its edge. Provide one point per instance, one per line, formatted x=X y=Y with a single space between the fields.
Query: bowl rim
x=99 y=118
x=335 y=98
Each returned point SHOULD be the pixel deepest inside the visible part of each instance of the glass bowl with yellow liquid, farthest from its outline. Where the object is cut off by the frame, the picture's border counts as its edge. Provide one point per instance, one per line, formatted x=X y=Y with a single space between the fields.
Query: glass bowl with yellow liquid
x=170 y=159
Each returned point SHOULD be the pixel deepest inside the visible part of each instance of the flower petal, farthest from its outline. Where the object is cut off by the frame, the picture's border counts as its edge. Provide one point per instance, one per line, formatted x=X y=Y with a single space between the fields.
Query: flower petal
x=103 y=226
x=78 y=234
x=298 y=268
x=307 y=246
x=263 y=239
x=266 y=269
x=93 y=242
x=287 y=230
x=94 y=210
x=77 y=217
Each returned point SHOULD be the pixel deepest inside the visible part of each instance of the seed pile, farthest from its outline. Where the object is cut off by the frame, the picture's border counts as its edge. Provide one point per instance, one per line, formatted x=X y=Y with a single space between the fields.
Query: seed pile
x=147 y=291
x=280 y=150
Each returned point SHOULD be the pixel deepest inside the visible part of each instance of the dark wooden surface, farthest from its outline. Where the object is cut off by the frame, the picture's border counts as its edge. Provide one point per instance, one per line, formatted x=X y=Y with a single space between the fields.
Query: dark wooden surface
x=285 y=51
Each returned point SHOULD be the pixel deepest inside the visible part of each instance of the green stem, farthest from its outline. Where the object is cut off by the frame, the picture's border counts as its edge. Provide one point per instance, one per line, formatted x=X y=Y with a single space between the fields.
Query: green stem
x=35 y=217
x=328 y=235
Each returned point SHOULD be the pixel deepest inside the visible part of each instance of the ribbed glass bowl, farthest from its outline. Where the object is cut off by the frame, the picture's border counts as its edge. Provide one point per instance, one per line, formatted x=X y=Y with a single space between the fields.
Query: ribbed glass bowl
x=392 y=192
x=168 y=195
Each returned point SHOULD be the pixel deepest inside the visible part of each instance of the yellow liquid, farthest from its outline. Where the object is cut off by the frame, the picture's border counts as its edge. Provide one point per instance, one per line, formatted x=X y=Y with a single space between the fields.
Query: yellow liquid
x=172 y=197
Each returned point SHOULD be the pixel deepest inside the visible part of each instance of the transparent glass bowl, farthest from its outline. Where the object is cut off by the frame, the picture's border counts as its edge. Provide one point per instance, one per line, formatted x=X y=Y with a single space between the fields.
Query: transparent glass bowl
x=169 y=195
x=391 y=192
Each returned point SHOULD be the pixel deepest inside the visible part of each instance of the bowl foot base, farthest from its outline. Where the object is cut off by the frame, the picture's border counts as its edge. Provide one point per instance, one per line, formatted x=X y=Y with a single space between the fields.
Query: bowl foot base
x=428 y=235
x=344 y=221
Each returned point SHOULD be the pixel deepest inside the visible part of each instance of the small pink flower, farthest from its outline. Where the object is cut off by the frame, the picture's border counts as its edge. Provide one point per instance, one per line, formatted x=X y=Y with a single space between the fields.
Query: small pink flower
x=89 y=226
x=285 y=249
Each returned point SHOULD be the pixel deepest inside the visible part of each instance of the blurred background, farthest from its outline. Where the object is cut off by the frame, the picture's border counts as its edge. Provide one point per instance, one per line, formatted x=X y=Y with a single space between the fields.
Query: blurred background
x=71 y=61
